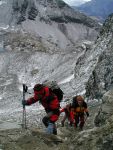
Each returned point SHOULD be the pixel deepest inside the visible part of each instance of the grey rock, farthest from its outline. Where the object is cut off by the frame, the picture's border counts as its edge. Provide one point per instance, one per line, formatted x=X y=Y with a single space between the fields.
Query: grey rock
x=50 y=20
x=100 y=80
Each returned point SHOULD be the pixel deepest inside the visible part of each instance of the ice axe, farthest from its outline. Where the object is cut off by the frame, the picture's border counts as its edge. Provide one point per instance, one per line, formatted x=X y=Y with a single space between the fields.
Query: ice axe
x=25 y=88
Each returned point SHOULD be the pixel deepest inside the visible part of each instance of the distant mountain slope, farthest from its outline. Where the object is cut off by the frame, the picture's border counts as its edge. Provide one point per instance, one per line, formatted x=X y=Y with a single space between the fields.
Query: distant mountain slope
x=99 y=8
x=54 y=22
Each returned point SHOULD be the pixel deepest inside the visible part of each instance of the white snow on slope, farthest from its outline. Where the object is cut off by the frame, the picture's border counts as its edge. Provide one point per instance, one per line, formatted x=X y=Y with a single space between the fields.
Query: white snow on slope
x=68 y=79
x=2 y=2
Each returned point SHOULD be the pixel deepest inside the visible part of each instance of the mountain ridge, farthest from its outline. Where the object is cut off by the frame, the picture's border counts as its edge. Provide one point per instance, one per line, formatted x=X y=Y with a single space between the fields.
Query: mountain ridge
x=98 y=8
x=51 y=22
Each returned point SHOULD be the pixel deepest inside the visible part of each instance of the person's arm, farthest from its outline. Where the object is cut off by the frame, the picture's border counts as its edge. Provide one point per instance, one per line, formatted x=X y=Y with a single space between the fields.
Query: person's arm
x=33 y=99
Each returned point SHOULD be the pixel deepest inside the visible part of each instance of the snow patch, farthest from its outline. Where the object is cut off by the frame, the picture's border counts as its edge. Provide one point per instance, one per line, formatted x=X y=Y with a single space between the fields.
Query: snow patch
x=68 y=79
x=2 y=2
x=4 y=27
x=82 y=93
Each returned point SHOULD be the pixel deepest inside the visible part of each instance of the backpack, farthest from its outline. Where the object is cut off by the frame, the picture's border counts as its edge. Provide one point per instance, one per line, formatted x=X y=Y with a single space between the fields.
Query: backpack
x=54 y=87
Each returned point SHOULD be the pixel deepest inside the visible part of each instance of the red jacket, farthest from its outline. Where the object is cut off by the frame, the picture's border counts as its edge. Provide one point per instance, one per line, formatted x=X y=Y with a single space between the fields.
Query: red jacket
x=48 y=99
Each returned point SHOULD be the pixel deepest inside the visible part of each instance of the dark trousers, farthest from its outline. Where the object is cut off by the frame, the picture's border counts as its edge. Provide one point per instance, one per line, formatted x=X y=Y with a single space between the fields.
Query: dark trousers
x=66 y=116
x=79 y=119
x=46 y=122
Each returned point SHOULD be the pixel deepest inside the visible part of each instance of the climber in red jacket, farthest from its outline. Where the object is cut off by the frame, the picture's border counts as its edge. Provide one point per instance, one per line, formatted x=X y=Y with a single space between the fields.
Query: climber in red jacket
x=51 y=104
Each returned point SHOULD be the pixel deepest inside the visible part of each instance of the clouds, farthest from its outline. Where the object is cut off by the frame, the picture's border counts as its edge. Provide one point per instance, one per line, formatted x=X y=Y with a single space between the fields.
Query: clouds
x=75 y=2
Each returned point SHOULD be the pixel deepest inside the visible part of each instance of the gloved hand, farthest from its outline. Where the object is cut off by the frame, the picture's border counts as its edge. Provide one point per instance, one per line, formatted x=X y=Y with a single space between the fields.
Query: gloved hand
x=24 y=102
x=87 y=114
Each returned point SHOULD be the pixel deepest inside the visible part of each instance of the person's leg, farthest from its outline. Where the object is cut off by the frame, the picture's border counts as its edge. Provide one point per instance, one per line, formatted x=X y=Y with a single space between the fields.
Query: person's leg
x=49 y=125
x=63 y=120
x=45 y=121
x=70 y=120
x=51 y=129
x=76 y=120
x=65 y=117
x=55 y=129
x=70 y=123
x=81 y=122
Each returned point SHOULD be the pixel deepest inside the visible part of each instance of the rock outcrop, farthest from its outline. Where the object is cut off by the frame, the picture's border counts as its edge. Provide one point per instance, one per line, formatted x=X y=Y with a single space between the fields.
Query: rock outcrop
x=93 y=69
x=101 y=79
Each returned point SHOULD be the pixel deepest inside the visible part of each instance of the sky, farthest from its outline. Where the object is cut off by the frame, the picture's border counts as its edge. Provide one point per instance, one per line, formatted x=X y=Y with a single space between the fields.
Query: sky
x=75 y=2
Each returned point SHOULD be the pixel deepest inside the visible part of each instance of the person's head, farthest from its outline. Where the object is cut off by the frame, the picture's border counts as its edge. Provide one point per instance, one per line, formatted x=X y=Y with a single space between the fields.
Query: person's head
x=38 y=88
x=80 y=99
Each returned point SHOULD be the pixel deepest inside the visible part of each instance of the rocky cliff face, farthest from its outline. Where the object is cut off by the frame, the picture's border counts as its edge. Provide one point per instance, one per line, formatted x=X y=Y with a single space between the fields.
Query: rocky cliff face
x=101 y=79
x=95 y=63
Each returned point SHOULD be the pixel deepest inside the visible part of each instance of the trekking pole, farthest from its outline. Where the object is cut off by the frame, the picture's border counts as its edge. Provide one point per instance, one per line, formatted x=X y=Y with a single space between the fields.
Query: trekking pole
x=24 y=109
